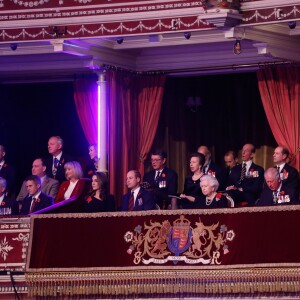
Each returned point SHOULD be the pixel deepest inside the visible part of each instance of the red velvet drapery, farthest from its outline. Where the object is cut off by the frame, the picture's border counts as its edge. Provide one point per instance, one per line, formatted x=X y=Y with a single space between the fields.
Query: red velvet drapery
x=134 y=104
x=134 y=109
x=279 y=89
x=85 y=97
x=149 y=106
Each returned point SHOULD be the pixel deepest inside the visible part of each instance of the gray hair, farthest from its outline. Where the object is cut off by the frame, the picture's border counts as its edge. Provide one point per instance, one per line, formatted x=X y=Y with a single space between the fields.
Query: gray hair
x=212 y=181
x=273 y=172
x=59 y=140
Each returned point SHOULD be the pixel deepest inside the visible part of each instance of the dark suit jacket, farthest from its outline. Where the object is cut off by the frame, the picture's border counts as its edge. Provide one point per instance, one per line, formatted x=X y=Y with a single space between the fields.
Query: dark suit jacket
x=10 y=203
x=50 y=187
x=43 y=201
x=252 y=185
x=290 y=177
x=144 y=201
x=168 y=179
x=60 y=173
x=8 y=172
x=90 y=169
x=266 y=197
x=77 y=192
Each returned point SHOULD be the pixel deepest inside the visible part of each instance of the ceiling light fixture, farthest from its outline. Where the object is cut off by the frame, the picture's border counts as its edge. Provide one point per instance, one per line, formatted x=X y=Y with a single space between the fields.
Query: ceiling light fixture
x=292 y=24
x=120 y=41
x=187 y=35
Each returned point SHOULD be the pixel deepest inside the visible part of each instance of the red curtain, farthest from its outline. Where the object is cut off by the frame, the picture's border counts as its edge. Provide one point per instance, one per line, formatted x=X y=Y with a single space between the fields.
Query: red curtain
x=121 y=131
x=85 y=97
x=134 y=109
x=149 y=106
x=279 y=90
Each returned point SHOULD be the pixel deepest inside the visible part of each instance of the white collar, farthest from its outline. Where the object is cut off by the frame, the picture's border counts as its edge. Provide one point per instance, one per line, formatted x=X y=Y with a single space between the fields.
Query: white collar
x=36 y=196
x=136 y=191
x=58 y=156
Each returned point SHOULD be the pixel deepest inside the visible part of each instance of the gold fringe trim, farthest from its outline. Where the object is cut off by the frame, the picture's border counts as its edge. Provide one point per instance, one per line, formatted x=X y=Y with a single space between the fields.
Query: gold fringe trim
x=276 y=281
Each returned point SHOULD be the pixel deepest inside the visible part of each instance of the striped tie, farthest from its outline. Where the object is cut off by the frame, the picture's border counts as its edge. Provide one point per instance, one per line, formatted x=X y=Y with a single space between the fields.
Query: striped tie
x=33 y=201
x=131 y=202
x=243 y=173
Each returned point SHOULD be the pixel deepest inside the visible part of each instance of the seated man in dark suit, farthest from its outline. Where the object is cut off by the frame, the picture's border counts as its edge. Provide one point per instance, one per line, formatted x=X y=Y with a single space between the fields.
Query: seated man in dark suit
x=138 y=198
x=230 y=160
x=7 y=172
x=246 y=180
x=274 y=192
x=211 y=168
x=162 y=181
x=50 y=186
x=288 y=174
x=8 y=206
x=36 y=199
x=55 y=164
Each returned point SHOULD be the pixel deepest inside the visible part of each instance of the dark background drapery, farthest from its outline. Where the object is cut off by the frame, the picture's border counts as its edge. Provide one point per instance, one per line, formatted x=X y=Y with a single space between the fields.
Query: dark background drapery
x=230 y=115
x=30 y=114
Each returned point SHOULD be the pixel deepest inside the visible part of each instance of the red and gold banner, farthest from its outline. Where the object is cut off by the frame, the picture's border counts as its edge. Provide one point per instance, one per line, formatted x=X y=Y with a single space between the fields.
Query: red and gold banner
x=14 y=240
x=247 y=250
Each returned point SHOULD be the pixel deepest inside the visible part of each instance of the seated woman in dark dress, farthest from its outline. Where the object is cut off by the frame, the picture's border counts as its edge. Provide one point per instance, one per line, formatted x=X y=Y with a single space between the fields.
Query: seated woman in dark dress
x=192 y=188
x=99 y=199
x=211 y=198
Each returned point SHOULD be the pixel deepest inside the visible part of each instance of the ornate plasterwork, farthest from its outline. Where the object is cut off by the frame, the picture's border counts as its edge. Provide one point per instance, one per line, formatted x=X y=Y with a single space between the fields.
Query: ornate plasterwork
x=267 y=15
x=87 y=30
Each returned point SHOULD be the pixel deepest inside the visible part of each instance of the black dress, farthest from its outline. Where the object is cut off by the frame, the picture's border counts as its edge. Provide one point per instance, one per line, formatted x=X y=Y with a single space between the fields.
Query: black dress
x=219 y=201
x=96 y=205
x=191 y=188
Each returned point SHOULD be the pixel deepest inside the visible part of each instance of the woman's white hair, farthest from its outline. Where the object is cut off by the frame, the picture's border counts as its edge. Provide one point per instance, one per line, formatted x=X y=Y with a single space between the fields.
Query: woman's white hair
x=212 y=181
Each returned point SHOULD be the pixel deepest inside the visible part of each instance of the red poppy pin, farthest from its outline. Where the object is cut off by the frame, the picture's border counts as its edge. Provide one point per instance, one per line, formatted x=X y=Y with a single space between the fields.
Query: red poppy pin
x=90 y=172
x=2 y=203
x=218 y=196
x=282 y=192
x=38 y=200
x=284 y=171
x=163 y=175
x=88 y=199
x=251 y=170
x=63 y=161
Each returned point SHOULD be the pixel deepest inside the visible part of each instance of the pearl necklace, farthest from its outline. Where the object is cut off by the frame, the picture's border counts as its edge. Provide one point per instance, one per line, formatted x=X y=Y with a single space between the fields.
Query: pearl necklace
x=209 y=201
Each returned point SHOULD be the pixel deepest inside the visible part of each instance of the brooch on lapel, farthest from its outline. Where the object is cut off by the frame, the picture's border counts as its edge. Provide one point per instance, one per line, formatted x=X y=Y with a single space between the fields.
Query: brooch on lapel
x=284 y=175
x=218 y=196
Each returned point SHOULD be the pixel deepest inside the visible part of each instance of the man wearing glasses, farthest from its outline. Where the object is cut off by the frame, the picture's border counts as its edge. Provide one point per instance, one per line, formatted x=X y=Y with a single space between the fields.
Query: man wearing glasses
x=162 y=181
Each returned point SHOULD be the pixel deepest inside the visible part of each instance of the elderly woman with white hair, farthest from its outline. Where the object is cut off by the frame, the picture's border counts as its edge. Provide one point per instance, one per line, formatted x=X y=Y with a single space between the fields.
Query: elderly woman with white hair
x=211 y=198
